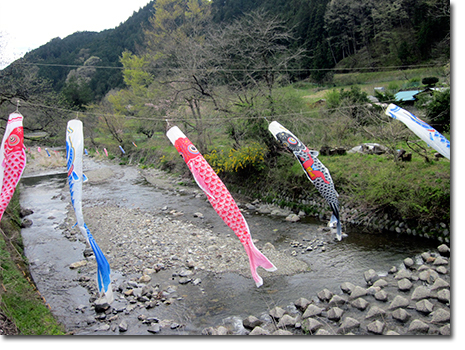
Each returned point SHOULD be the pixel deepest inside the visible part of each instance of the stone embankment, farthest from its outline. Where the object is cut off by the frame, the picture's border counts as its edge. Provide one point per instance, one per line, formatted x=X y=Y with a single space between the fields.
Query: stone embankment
x=414 y=300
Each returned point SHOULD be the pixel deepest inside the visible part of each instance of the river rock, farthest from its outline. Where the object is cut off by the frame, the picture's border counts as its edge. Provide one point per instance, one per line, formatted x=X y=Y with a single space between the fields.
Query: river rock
x=381 y=283
x=311 y=325
x=399 y=301
x=282 y=332
x=440 y=261
x=375 y=312
x=403 y=274
x=277 y=312
x=325 y=295
x=370 y=276
x=337 y=300
x=312 y=310
x=420 y=292
x=404 y=284
x=348 y=324
x=428 y=275
x=444 y=250
x=358 y=292
x=401 y=315
x=444 y=296
x=251 y=322
x=439 y=284
x=154 y=328
x=292 y=218
x=123 y=326
x=381 y=295
x=77 y=264
x=408 y=262
x=259 y=331
x=424 y=306
x=418 y=326
x=360 y=303
x=335 y=313
x=302 y=303
x=376 y=327
x=347 y=287
x=286 y=321
x=440 y=316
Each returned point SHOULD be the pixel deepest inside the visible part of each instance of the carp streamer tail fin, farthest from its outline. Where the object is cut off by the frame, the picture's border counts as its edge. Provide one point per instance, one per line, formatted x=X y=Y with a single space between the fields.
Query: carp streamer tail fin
x=256 y=259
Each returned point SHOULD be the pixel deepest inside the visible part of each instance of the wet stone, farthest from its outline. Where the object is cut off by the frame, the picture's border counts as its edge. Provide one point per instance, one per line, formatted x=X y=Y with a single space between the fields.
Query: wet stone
x=376 y=327
x=277 y=312
x=408 y=262
x=440 y=316
x=325 y=295
x=360 y=303
x=251 y=322
x=401 y=315
x=123 y=326
x=154 y=328
x=380 y=283
x=347 y=287
x=348 y=324
x=420 y=292
x=286 y=321
x=335 y=313
x=444 y=296
x=282 y=332
x=312 y=310
x=381 y=296
x=259 y=331
x=370 y=276
x=429 y=276
x=418 y=326
x=440 y=261
x=404 y=284
x=375 y=312
x=403 y=274
x=358 y=292
x=322 y=331
x=444 y=250
x=424 y=306
x=337 y=300
x=311 y=325
x=302 y=303
x=439 y=284
x=399 y=301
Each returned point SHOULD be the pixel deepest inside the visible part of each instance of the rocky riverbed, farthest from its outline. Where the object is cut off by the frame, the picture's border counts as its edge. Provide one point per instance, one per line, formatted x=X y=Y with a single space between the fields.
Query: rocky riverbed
x=145 y=247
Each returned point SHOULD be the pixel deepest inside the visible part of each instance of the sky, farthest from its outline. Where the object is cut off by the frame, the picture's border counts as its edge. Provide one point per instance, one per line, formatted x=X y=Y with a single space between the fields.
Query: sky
x=28 y=24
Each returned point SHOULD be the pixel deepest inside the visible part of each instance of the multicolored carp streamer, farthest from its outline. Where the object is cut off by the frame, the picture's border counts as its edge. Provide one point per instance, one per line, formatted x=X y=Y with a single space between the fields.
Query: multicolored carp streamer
x=74 y=150
x=12 y=159
x=220 y=199
x=316 y=172
x=423 y=130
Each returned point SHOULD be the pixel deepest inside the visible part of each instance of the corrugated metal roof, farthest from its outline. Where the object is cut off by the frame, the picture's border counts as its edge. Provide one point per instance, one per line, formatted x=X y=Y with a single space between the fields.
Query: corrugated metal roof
x=406 y=95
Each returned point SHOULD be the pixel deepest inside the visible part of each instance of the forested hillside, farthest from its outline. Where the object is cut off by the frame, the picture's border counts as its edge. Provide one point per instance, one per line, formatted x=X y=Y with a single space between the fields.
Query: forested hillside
x=222 y=70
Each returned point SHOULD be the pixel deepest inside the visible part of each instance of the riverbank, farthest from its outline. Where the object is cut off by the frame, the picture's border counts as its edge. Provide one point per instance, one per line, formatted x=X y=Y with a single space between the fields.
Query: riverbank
x=163 y=259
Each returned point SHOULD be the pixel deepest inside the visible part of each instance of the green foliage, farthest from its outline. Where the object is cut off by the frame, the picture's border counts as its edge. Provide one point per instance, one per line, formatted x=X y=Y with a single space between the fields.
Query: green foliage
x=429 y=81
x=437 y=109
x=246 y=159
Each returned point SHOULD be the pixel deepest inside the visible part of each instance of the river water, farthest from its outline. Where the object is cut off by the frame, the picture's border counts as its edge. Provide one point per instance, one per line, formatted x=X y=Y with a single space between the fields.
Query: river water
x=222 y=299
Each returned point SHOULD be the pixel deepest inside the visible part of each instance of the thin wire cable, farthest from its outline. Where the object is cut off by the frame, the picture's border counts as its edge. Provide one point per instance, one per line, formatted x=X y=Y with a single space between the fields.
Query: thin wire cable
x=236 y=70
x=177 y=119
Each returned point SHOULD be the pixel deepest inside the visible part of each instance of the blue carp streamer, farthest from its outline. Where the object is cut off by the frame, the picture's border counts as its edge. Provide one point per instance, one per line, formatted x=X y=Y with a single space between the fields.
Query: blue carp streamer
x=423 y=130
x=74 y=150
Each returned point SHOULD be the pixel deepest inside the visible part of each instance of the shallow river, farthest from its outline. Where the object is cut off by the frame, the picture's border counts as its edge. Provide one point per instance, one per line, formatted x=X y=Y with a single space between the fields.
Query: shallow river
x=223 y=299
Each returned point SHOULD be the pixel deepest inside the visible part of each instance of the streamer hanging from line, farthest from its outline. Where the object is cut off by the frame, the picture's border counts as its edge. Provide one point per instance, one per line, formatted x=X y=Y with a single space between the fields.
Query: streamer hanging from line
x=74 y=150
x=48 y=153
x=105 y=150
x=316 y=172
x=423 y=130
x=12 y=159
x=220 y=199
x=122 y=150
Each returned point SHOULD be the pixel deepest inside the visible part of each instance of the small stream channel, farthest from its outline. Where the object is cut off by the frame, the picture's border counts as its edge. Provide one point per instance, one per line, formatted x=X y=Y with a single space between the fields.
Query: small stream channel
x=223 y=298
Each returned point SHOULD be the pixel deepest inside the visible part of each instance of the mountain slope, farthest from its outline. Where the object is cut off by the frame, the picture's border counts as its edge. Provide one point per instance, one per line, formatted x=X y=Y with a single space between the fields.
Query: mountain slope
x=57 y=57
